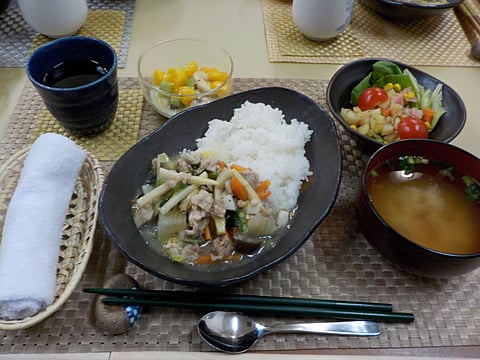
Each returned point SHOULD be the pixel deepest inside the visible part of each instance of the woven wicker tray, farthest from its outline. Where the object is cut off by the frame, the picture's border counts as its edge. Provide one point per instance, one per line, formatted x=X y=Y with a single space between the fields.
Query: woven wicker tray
x=335 y=263
x=78 y=231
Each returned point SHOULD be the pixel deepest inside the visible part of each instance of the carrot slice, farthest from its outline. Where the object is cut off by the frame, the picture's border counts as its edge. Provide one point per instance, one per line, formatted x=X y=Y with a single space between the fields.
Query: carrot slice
x=428 y=114
x=204 y=259
x=263 y=186
x=238 y=167
x=264 y=195
x=238 y=189
x=386 y=112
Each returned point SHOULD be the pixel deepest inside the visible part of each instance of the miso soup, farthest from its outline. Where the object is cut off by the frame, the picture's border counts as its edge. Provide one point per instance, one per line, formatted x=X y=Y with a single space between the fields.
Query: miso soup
x=429 y=204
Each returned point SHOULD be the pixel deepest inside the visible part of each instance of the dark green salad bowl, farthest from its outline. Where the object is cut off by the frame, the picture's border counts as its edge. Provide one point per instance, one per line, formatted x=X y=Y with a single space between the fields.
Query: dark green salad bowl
x=340 y=87
x=410 y=11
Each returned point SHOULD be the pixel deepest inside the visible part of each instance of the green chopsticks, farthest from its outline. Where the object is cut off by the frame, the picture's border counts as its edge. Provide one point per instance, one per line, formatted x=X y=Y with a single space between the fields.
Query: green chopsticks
x=255 y=304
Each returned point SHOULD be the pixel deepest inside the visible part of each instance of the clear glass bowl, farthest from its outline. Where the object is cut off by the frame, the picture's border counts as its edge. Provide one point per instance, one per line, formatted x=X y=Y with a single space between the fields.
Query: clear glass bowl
x=171 y=55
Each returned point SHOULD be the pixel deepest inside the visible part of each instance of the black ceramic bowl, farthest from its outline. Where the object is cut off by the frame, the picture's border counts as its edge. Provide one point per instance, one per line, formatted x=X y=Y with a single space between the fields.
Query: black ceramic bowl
x=4 y=4
x=349 y=75
x=402 y=252
x=401 y=10
x=180 y=132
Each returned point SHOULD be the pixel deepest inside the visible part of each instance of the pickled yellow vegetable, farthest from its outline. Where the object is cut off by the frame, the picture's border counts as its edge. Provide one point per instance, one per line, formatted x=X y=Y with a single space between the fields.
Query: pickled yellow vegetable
x=190 y=68
x=181 y=76
x=157 y=77
x=186 y=90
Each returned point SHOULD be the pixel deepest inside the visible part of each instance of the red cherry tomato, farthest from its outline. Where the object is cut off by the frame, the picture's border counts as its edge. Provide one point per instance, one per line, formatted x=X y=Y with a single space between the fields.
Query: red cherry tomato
x=410 y=127
x=371 y=97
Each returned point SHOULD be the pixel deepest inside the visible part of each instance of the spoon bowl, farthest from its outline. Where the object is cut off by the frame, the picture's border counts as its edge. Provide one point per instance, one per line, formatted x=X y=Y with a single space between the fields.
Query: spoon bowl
x=234 y=332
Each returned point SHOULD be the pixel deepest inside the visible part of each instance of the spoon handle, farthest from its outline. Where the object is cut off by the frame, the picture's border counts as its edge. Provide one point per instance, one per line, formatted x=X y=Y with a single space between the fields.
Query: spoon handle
x=357 y=328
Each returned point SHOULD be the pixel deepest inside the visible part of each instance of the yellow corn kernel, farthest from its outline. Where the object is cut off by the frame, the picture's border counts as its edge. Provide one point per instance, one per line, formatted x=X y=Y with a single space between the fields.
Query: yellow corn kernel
x=168 y=77
x=428 y=125
x=388 y=86
x=157 y=77
x=216 y=75
x=224 y=90
x=186 y=90
x=364 y=129
x=397 y=87
x=175 y=89
x=409 y=95
x=190 y=68
x=354 y=127
x=179 y=78
x=215 y=84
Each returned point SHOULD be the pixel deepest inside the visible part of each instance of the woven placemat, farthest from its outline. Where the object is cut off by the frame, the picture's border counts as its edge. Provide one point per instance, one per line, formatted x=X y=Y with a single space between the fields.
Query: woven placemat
x=335 y=263
x=432 y=41
x=108 y=20
x=106 y=146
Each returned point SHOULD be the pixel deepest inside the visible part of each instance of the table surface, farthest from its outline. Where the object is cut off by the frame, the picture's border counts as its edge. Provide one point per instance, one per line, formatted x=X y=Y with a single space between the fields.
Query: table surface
x=238 y=26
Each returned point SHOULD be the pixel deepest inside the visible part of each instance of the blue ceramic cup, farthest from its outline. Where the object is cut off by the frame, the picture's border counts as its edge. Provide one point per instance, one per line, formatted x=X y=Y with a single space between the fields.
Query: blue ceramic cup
x=77 y=79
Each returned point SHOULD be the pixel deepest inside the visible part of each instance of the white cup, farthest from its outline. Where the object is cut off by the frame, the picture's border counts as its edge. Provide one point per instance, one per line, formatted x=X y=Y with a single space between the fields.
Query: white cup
x=54 y=18
x=322 y=19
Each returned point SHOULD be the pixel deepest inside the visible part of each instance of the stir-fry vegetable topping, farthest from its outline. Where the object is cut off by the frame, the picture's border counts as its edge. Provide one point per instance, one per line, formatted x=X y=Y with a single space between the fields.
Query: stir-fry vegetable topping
x=204 y=211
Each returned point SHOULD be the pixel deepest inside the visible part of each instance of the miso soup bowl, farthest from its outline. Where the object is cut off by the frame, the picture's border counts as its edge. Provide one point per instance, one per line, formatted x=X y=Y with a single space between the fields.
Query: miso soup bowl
x=397 y=249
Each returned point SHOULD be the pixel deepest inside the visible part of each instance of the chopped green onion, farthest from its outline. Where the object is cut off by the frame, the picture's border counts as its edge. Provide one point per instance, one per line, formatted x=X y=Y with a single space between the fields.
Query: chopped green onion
x=472 y=189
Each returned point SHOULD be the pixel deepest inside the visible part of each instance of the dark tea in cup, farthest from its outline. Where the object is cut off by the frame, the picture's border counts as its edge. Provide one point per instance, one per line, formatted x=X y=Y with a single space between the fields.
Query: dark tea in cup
x=68 y=74
x=77 y=80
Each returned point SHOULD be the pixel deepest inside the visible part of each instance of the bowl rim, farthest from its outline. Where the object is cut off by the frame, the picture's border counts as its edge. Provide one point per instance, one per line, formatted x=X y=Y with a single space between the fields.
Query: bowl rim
x=143 y=79
x=363 y=189
x=399 y=3
x=374 y=142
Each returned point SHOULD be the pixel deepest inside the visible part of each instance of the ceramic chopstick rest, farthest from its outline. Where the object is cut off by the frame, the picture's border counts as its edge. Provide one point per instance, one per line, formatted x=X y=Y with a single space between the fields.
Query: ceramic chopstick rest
x=117 y=319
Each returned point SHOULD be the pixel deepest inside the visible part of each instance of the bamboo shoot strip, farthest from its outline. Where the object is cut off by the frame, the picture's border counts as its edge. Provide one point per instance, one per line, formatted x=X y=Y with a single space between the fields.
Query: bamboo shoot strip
x=185 y=177
x=261 y=309
x=198 y=297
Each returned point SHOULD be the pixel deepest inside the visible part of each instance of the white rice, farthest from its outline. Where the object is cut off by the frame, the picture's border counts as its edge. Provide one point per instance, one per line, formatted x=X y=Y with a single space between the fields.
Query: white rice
x=259 y=137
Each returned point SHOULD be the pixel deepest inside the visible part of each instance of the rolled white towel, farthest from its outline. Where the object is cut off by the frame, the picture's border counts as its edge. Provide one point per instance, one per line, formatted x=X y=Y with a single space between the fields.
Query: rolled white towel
x=33 y=226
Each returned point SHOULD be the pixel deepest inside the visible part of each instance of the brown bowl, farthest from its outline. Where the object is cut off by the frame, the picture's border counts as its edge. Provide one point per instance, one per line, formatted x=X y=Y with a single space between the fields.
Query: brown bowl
x=402 y=252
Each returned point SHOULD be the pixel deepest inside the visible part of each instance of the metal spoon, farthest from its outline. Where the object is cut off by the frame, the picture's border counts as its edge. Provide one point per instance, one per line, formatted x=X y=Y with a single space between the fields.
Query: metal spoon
x=234 y=332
